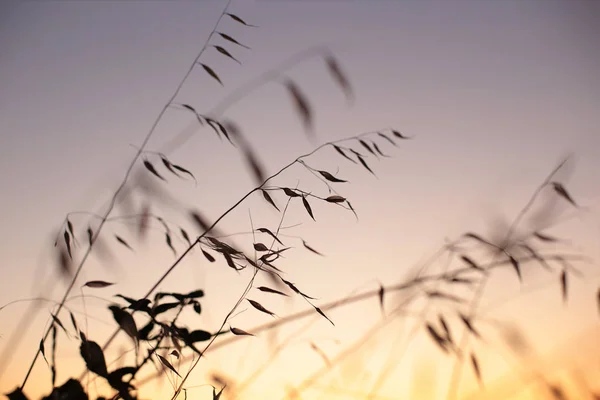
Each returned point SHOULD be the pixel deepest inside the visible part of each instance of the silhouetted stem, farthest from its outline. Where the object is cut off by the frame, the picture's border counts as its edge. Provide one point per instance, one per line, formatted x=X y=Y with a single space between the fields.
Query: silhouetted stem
x=118 y=191
x=229 y=210
x=367 y=295
x=457 y=369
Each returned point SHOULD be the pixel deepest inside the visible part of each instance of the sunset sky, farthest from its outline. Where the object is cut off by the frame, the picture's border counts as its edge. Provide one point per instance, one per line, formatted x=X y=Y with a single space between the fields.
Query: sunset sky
x=495 y=94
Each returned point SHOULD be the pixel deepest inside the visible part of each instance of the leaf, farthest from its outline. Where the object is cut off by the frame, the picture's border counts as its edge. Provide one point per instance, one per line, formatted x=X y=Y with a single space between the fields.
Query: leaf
x=366 y=146
x=265 y=230
x=474 y=236
x=167 y=364
x=208 y=256
x=175 y=354
x=43 y=351
x=378 y=150
x=341 y=152
x=241 y=21
x=231 y=128
x=339 y=77
x=222 y=247
x=70 y=227
x=544 y=237
x=446 y=328
x=195 y=294
x=169 y=242
x=140 y=305
x=301 y=104
x=73 y=321
x=561 y=191
x=161 y=308
x=269 y=199
x=226 y=53
x=97 y=284
x=563 y=285
x=310 y=248
x=185 y=171
x=212 y=73
x=330 y=177
x=168 y=165
x=177 y=296
x=470 y=262
x=214 y=125
x=399 y=135
x=123 y=242
x=476 y=369
x=197 y=307
x=64 y=262
x=323 y=314
x=239 y=332
x=290 y=192
x=57 y=322
x=90 y=235
x=199 y=336
x=192 y=109
x=381 y=299
x=456 y=279
x=151 y=168
x=467 y=321
x=386 y=137
x=446 y=296
x=125 y=320
x=259 y=307
x=321 y=354
x=335 y=199
x=185 y=235
x=352 y=209
x=295 y=289
x=255 y=167
x=145 y=331
x=516 y=266
x=269 y=290
x=437 y=338
x=307 y=206
x=217 y=396
x=93 y=356
x=230 y=261
x=200 y=221
x=260 y=247
x=232 y=40
x=364 y=163
x=68 y=243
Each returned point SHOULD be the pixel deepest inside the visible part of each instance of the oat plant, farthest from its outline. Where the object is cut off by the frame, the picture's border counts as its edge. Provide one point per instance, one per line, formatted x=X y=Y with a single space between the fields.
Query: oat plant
x=152 y=322
x=440 y=297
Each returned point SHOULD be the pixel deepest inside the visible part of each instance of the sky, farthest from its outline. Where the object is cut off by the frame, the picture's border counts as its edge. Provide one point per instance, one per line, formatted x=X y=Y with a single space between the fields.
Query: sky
x=495 y=94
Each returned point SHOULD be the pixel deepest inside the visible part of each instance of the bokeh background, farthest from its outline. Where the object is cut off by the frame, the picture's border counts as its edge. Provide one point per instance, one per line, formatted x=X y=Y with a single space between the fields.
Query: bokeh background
x=495 y=93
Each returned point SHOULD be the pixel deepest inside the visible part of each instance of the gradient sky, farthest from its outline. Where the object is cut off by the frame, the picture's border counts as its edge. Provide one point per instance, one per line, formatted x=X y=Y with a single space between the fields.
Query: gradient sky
x=495 y=93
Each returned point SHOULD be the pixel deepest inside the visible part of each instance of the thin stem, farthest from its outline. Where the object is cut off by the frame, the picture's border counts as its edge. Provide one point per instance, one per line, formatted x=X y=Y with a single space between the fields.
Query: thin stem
x=239 y=301
x=224 y=214
x=374 y=293
x=120 y=189
x=457 y=369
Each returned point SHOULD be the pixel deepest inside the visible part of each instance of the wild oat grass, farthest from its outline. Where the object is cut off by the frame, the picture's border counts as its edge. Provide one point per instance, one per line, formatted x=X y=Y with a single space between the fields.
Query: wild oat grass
x=162 y=344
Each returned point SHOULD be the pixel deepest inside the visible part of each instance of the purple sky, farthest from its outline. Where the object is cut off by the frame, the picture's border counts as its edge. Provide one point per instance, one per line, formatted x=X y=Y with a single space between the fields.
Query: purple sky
x=495 y=92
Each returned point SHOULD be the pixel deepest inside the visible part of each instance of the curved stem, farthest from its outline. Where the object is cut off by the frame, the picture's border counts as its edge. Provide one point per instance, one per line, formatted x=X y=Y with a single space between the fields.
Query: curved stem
x=474 y=304
x=224 y=214
x=120 y=189
x=374 y=293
